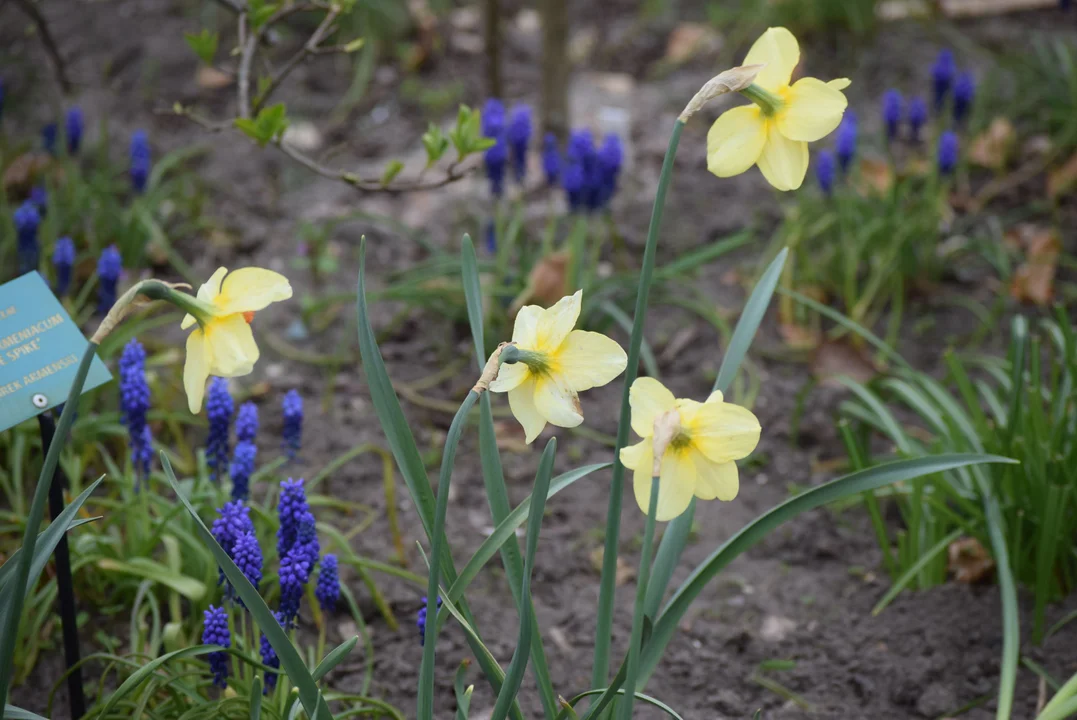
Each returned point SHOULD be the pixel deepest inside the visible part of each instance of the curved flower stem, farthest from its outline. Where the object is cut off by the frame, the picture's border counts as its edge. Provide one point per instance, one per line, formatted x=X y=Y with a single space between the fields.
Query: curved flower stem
x=426 y=670
x=607 y=588
x=641 y=601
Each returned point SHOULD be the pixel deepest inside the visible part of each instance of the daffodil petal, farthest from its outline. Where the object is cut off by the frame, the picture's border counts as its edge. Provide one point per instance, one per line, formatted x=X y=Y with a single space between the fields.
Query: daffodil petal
x=232 y=346
x=648 y=399
x=522 y=404
x=196 y=370
x=779 y=51
x=784 y=162
x=212 y=288
x=188 y=321
x=556 y=322
x=716 y=480
x=557 y=402
x=812 y=110
x=722 y=431
x=251 y=289
x=638 y=456
x=736 y=140
x=589 y=359
x=715 y=396
x=509 y=377
x=840 y=83
x=677 y=482
x=524 y=331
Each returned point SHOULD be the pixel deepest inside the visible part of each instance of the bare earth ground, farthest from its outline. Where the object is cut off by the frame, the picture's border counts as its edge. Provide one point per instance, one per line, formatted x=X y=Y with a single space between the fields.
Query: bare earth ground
x=805 y=594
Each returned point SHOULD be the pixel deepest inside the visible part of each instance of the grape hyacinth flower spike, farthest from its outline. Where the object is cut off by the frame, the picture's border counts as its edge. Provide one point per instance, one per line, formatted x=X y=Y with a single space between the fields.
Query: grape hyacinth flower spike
x=247 y=555
x=328 y=589
x=519 y=136
x=73 y=127
x=845 y=145
x=942 y=76
x=580 y=170
x=246 y=451
x=292 y=507
x=134 y=404
x=232 y=523
x=551 y=159
x=964 y=92
x=48 y=138
x=294 y=574
x=917 y=117
x=420 y=620
x=215 y=632
x=893 y=104
x=109 y=267
x=948 y=152
x=610 y=158
x=496 y=156
x=63 y=260
x=27 y=219
x=219 y=409
x=39 y=196
x=140 y=160
x=292 y=408
x=269 y=657
x=824 y=171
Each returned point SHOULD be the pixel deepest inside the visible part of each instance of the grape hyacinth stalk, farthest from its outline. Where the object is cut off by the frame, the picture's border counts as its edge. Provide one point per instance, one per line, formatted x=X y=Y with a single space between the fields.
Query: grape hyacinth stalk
x=292 y=507
x=328 y=588
x=580 y=170
x=232 y=523
x=845 y=144
x=219 y=409
x=610 y=159
x=519 y=136
x=893 y=104
x=27 y=219
x=948 y=152
x=917 y=117
x=140 y=160
x=551 y=159
x=824 y=171
x=420 y=620
x=246 y=451
x=247 y=422
x=292 y=409
x=496 y=157
x=73 y=127
x=63 y=260
x=215 y=632
x=134 y=404
x=109 y=267
x=294 y=574
x=964 y=92
x=942 y=76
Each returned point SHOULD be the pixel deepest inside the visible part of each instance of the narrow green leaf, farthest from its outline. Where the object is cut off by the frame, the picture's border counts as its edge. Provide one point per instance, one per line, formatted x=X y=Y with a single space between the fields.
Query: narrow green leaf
x=639 y=696
x=913 y=570
x=256 y=698
x=185 y=585
x=469 y=270
x=290 y=660
x=515 y=674
x=204 y=44
x=847 y=486
x=144 y=671
x=15 y=713
x=463 y=694
x=335 y=657
x=750 y=318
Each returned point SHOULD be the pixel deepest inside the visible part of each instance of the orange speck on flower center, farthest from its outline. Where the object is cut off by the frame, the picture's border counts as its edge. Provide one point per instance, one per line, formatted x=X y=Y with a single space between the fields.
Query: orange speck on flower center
x=248 y=316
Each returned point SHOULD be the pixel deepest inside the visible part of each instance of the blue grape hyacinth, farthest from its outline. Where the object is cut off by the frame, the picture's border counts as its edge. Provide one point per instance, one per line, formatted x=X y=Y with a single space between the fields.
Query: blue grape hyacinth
x=269 y=657
x=519 y=136
x=917 y=117
x=610 y=159
x=845 y=144
x=242 y=468
x=233 y=522
x=580 y=170
x=27 y=219
x=328 y=588
x=140 y=160
x=420 y=619
x=215 y=632
x=39 y=196
x=63 y=260
x=496 y=157
x=948 y=152
x=551 y=159
x=219 y=410
x=247 y=555
x=292 y=507
x=73 y=127
x=109 y=268
x=48 y=138
x=134 y=404
x=295 y=570
x=964 y=93
x=292 y=409
x=824 y=171
x=307 y=539
x=942 y=76
x=247 y=422
x=893 y=105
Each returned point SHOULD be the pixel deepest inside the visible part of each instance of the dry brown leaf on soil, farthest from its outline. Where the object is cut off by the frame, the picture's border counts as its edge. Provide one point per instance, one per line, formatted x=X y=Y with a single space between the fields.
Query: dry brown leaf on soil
x=1063 y=179
x=625 y=572
x=832 y=360
x=545 y=284
x=876 y=176
x=689 y=39
x=1034 y=279
x=798 y=337
x=982 y=8
x=969 y=561
x=24 y=171
x=210 y=78
x=509 y=436
x=992 y=148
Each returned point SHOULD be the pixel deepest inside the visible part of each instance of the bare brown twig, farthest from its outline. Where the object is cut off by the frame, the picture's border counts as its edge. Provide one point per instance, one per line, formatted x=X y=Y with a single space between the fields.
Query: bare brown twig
x=46 y=39
x=309 y=48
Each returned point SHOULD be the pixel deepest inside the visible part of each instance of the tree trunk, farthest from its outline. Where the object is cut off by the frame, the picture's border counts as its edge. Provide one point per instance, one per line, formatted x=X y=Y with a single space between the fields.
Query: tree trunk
x=555 y=67
x=493 y=48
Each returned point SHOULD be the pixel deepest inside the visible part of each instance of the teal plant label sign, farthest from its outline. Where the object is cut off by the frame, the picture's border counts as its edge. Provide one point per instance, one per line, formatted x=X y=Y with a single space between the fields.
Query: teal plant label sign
x=40 y=351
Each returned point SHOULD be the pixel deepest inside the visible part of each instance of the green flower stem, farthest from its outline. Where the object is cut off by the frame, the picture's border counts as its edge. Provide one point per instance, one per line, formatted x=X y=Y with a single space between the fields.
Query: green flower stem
x=608 y=586
x=17 y=590
x=765 y=99
x=426 y=670
x=641 y=601
x=577 y=251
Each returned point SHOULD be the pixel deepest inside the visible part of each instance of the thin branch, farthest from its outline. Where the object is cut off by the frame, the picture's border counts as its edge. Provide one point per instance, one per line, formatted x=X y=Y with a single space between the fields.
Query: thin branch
x=46 y=38
x=231 y=5
x=309 y=48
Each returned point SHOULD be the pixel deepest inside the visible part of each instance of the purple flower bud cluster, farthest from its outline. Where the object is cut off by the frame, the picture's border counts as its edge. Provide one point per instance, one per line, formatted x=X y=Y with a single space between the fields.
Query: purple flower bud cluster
x=496 y=156
x=134 y=404
x=246 y=451
x=845 y=144
x=420 y=619
x=219 y=410
x=297 y=546
x=39 y=196
x=948 y=152
x=109 y=268
x=63 y=260
x=73 y=127
x=27 y=219
x=292 y=408
x=519 y=136
x=269 y=657
x=590 y=174
x=328 y=588
x=247 y=555
x=48 y=138
x=824 y=171
x=140 y=160
x=551 y=160
x=215 y=632
x=232 y=523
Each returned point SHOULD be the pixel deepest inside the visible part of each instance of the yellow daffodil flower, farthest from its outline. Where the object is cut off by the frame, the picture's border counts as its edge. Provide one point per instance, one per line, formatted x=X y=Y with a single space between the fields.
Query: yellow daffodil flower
x=774 y=132
x=223 y=344
x=699 y=460
x=556 y=362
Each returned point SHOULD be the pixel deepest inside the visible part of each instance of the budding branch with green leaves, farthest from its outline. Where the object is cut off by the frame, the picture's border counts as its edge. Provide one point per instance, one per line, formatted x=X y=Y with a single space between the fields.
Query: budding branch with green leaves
x=266 y=124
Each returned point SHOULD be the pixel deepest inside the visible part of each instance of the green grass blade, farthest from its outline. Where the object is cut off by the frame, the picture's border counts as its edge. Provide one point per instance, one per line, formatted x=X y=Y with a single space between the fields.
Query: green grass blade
x=463 y=694
x=16 y=713
x=256 y=698
x=290 y=660
x=639 y=696
x=911 y=572
x=761 y=527
x=636 y=634
x=147 y=569
x=145 y=671
x=9 y=632
x=514 y=676
x=607 y=584
x=469 y=267
x=335 y=657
